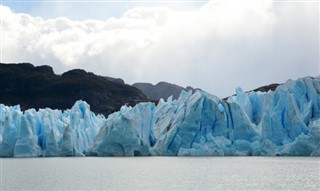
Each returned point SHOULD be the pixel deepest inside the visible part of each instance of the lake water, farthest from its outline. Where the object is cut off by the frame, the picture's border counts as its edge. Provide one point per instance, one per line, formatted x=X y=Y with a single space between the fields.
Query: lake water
x=162 y=173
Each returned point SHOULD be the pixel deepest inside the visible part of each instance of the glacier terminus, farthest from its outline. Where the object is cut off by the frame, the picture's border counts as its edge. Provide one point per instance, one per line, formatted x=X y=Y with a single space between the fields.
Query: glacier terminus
x=284 y=122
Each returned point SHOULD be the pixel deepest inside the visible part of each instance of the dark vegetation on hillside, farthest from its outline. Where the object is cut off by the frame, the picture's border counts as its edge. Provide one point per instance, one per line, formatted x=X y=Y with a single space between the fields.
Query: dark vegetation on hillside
x=38 y=87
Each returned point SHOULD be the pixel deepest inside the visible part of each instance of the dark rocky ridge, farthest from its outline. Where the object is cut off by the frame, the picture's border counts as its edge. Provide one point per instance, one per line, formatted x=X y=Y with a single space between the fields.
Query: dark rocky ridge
x=115 y=80
x=161 y=90
x=270 y=87
x=38 y=87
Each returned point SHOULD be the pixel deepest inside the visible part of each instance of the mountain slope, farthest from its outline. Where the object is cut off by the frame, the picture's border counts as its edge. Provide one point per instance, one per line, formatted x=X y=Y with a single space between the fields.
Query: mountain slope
x=161 y=90
x=39 y=87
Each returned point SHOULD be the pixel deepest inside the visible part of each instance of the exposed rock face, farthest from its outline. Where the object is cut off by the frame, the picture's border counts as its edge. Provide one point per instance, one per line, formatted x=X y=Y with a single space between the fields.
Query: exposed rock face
x=161 y=90
x=270 y=87
x=115 y=80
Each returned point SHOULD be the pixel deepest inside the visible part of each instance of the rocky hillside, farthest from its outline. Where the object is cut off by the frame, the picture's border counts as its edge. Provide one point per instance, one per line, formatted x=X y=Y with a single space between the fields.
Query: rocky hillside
x=161 y=90
x=38 y=87
x=266 y=88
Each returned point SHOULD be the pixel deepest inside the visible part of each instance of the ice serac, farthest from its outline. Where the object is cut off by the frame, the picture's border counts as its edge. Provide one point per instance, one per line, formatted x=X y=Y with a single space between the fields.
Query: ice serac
x=126 y=133
x=27 y=141
x=48 y=132
x=9 y=118
x=280 y=122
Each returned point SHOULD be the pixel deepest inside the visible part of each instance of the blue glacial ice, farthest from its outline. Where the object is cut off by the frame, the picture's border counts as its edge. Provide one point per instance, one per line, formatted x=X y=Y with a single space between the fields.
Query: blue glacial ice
x=48 y=132
x=281 y=122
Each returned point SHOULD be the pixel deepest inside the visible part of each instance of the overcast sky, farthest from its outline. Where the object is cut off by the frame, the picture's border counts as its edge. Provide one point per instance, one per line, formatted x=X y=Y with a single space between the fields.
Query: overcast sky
x=212 y=45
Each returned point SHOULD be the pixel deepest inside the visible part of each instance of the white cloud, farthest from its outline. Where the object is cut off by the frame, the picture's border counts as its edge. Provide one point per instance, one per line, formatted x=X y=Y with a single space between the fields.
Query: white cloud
x=216 y=47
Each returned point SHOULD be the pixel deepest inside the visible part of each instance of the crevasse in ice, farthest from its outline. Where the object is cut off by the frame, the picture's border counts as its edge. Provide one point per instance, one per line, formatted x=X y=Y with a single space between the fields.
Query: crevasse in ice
x=281 y=122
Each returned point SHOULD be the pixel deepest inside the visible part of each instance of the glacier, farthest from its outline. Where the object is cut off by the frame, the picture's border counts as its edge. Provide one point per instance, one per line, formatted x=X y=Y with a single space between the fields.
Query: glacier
x=48 y=132
x=284 y=122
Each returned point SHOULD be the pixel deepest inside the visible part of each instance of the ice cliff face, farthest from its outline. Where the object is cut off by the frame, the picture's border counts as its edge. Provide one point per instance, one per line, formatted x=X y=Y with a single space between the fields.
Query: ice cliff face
x=283 y=122
x=48 y=132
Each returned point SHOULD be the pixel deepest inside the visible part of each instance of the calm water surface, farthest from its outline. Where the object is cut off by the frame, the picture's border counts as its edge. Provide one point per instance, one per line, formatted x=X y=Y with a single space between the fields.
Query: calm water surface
x=162 y=173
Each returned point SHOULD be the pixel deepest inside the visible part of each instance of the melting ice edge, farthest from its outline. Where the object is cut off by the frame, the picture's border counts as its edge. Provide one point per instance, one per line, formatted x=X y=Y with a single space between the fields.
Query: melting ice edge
x=284 y=122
